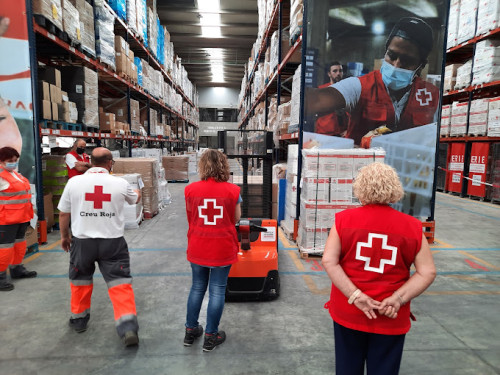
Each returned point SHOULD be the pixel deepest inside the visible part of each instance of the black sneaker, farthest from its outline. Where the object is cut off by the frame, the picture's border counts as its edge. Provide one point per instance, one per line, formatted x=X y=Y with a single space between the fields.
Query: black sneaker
x=192 y=334
x=20 y=272
x=79 y=324
x=212 y=340
x=6 y=286
x=130 y=338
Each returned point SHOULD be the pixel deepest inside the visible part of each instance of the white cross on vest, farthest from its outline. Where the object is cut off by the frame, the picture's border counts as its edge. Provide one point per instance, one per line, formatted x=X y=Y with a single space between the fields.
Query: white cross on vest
x=376 y=252
x=210 y=207
x=424 y=97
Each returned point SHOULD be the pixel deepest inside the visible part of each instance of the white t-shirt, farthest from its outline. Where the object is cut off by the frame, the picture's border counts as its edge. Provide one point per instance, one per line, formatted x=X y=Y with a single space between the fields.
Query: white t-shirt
x=70 y=161
x=95 y=200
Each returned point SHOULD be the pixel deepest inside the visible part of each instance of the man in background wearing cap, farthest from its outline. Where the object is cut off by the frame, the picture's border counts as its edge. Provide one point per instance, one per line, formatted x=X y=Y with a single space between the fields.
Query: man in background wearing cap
x=394 y=96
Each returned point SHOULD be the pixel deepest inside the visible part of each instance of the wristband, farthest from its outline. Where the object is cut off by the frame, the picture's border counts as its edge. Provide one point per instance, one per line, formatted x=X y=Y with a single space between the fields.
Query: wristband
x=400 y=299
x=354 y=296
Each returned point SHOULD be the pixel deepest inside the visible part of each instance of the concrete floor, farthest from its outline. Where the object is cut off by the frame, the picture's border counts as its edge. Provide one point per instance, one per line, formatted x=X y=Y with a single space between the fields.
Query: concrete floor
x=457 y=331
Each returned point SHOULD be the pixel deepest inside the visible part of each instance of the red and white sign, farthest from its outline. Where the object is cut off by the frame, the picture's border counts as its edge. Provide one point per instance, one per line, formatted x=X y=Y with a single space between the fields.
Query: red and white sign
x=478 y=168
x=454 y=175
x=376 y=253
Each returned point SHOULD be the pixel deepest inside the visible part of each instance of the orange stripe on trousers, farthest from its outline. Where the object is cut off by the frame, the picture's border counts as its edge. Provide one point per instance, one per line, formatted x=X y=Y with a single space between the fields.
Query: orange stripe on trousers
x=19 y=251
x=80 y=298
x=6 y=256
x=123 y=300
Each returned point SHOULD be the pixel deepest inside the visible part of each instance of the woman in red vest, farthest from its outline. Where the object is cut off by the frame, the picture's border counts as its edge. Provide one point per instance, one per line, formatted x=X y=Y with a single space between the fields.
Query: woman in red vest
x=16 y=211
x=368 y=256
x=213 y=209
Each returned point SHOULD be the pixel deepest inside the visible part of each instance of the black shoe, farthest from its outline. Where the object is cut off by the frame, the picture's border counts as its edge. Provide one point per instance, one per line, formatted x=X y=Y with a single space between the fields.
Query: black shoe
x=20 y=272
x=130 y=338
x=212 y=340
x=5 y=287
x=79 y=324
x=192 y=334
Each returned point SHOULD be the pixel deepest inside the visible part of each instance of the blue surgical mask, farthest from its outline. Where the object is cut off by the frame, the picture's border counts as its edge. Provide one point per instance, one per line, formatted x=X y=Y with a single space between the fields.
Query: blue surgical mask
x=396 y=78
x=11 y=166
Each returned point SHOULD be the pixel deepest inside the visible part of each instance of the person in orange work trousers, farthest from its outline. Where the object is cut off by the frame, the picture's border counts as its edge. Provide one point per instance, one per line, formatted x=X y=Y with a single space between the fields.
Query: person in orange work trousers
x=94 y=201
x=16 y=211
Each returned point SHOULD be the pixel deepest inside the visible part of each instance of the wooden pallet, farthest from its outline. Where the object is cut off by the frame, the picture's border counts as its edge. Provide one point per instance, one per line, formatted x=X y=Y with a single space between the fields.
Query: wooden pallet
x=287 y=232
x=61 y=125
x=306 y=255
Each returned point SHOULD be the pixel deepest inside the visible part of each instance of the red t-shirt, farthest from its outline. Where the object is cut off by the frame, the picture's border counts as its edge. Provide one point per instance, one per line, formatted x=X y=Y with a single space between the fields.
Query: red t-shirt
x=379 y=245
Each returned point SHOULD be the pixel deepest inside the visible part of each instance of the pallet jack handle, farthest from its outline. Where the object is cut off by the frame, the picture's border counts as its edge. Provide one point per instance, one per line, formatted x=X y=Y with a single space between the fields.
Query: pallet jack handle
x=245 y=228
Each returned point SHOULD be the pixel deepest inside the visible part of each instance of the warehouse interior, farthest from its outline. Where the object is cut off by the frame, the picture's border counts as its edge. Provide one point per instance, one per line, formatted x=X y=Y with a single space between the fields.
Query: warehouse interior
x=158 y=82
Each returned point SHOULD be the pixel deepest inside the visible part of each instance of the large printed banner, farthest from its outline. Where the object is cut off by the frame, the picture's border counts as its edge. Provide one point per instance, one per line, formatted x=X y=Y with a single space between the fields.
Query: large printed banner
x=376 y=80
x=16 y=112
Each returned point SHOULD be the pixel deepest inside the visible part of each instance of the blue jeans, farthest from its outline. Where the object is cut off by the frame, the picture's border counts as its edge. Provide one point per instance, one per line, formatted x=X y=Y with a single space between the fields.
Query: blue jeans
x=216 y=279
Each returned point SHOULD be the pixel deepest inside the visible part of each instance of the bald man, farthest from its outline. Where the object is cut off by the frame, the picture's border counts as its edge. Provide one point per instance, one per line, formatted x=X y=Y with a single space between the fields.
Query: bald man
x=94 y=202
x=77 y=161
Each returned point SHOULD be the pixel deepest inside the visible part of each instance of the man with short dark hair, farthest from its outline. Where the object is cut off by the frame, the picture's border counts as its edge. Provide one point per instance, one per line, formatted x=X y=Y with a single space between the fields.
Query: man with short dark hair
x=394 y=96
x=94 y=201
x=77 y=161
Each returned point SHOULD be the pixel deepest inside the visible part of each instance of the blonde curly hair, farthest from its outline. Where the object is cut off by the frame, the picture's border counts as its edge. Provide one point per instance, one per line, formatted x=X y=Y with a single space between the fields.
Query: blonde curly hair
x=213 y=164
x=377 y=183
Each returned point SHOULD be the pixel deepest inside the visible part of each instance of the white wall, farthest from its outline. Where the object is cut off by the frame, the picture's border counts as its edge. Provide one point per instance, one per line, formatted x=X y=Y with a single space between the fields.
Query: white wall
x=218 y=97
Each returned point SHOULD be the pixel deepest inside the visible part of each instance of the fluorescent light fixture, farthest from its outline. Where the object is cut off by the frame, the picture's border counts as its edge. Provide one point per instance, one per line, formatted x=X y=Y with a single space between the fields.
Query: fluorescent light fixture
x=350 y=15
x=210 y=19
x=217 y=72
x=214 y=53
x=211 y=31
x=209 y=5
x=378 y=27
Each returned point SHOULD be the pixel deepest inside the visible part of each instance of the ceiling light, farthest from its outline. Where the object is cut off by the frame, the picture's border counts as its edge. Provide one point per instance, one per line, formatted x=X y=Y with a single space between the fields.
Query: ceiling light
x=209 y=5
x=210 y=32
x=210 y=19
x=378 y=27
x=214 y=53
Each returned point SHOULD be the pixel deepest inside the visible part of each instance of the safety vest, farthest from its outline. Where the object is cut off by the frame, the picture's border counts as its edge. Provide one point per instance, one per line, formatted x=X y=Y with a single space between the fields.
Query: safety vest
x=333 y=123
x=378 y=247
x=375 y=107
x=72 y=172
x=15 y=201
x=210 y=208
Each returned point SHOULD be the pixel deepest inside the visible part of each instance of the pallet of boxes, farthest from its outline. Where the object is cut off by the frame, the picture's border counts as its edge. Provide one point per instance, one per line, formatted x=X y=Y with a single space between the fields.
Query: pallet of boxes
x=147 y=168
x=133 y=213
x=55 y=177
x=176 y=168
x=327 y=177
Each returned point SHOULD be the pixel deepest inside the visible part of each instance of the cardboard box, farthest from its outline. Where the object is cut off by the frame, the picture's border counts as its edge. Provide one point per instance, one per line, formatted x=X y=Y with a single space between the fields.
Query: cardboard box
x=55 y=111
x=50 y=75
x=55 y=94
x=176 y=167
x=106 y=121
x=64 y=112
x=64 y=96
x=31 y=236
x=44 y=88
x=48 y=210
x=46 y=110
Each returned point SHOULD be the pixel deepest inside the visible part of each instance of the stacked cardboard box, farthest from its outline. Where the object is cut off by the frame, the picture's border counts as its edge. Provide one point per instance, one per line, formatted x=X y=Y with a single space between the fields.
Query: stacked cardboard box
x=105 y=35
x=453 y=18
x=486 y=62
x=51 y=10
x=107 y=121
x=132 y=212
x=71 y=21
x=450 y=76
x=467 y=20
x=284 y=111
x=55 y=177
x=87 y=33
x=296 y=18
x=464 y=75
x=176 y=168
x=295 y=102
x=488 y=16
x=445 y=120
x=81 y=84
x=458 y=124
x=478 y=117
x=494 y=117
x=148 y=169
x=132 y=15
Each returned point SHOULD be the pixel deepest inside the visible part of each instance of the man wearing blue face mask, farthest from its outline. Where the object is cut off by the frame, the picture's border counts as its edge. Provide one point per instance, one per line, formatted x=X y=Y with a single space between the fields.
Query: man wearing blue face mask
x=395 y=95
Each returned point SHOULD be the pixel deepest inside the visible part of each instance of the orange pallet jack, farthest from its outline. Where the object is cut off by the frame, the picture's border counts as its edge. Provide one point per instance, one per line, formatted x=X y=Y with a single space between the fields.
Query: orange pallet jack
x=255 y=276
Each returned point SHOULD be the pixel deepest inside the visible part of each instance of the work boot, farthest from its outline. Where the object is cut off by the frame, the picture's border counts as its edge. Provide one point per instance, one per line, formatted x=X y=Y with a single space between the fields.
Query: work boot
x=5 y=286
x=79 y=324
x=130 y=338
x=192 y=334
x=127 y=330
x=20 y=272
x=212 y=340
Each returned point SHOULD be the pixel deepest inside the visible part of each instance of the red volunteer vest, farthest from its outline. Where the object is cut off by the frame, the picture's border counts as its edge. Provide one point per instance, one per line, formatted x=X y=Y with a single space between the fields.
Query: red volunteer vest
x=379 y=244
x=333 y=123
x=210 y=207
x=15 y=201
x=375 y=107
x=72 y=172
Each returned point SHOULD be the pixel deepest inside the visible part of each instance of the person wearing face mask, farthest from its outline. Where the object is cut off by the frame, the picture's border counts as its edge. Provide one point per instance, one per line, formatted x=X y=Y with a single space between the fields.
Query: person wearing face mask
x=77 y=161
x=94 y=201
x=16 y=211
x=394 y=96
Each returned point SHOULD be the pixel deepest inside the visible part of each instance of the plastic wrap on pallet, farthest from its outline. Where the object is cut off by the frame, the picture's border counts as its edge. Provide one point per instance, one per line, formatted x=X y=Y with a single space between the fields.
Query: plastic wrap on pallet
x=467 y=20
x=71 y=21
x=142 y=21
x=51 y=10
x=295 y=102
x=453 y=18
x=445 y=120
x=120 y=8
x=152 y=30
x=87 y=32
x=296 y=19
x=160 y=49
x=138 y=64
x=132 y=14
x=488 y=16
x=105 y=35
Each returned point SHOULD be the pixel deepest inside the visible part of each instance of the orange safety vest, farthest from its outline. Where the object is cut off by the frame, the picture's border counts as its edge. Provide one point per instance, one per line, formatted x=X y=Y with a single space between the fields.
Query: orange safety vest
x=15 y=201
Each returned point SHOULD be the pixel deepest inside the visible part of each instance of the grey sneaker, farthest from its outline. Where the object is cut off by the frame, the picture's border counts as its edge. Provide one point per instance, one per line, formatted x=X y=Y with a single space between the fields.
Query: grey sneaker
x=192 y=334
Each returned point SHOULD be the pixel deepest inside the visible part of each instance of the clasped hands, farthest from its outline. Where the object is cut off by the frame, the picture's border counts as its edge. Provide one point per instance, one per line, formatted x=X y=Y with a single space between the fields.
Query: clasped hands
x=388 y=307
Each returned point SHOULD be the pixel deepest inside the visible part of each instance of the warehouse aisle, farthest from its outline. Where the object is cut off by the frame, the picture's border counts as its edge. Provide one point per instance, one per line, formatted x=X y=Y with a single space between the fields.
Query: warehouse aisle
x=455 y=333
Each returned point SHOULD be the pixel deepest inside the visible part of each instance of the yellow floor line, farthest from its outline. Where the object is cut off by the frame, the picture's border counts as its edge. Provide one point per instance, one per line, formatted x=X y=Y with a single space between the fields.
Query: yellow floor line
x=286 y=243
x=441 y=245
x=313 y=288
x=479 y=260
x=32 y=257
x=51 y=246
x=296 y=260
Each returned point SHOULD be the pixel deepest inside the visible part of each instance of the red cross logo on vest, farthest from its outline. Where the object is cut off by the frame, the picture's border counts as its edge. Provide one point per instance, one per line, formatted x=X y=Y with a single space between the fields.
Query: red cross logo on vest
x=98 y=197
x=424 y=97
x=378 y=253
x=208 y=212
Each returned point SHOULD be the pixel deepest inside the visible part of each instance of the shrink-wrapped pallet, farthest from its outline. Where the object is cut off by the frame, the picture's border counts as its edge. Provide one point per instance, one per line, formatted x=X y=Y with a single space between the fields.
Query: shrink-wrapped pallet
x=71 y=21
x=105 y=35
x=87 y=33
x=176 y=168
x=120 y=8
x=51 y=10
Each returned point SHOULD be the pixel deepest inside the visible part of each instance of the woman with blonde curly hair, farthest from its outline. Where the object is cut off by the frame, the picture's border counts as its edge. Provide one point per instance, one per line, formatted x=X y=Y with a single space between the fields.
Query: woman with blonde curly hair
x=213 y=209
x=368 y=256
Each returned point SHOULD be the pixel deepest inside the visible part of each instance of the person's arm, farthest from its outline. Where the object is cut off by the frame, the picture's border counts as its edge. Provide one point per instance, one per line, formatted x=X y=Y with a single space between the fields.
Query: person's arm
x=323 y=101
x=132 y=196
x=425 y=273
x=82 y=166
x=237 y=213
x=64 y=218
x=331 y=263
x=4 y=25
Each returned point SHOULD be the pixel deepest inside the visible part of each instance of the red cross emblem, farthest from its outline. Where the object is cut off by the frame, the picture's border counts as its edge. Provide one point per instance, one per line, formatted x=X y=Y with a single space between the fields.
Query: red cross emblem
x=377 y=253
x=424 y=97
x=98 y=197
x=208 y=211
